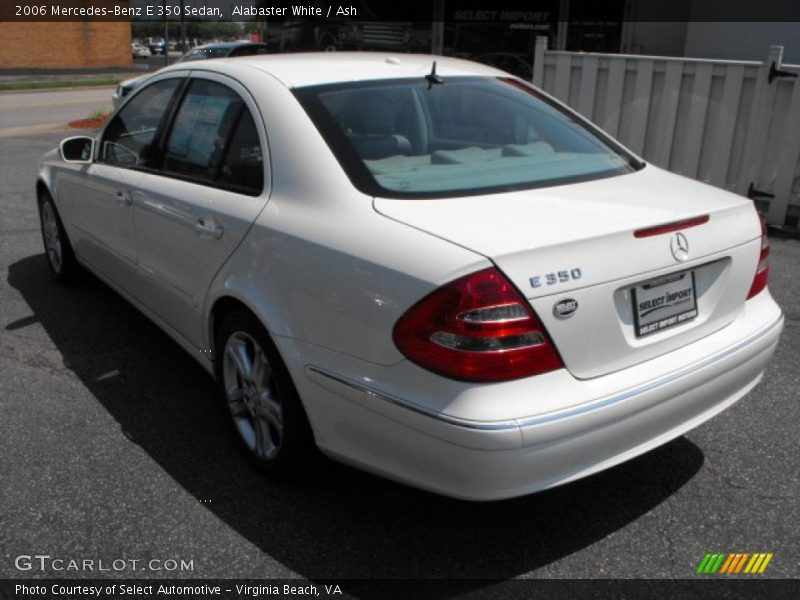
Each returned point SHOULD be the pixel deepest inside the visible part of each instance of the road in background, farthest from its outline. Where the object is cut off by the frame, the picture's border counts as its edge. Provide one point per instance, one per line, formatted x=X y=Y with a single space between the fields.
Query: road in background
x=26 y=113
x=112 y=446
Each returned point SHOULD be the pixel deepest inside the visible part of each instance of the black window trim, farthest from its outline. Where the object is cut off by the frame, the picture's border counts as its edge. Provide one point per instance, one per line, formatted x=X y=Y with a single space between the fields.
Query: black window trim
x=233 y=126
x=163 y=134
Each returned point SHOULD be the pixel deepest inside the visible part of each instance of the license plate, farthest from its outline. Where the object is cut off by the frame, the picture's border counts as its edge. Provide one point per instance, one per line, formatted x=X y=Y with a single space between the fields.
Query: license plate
x=665 y=302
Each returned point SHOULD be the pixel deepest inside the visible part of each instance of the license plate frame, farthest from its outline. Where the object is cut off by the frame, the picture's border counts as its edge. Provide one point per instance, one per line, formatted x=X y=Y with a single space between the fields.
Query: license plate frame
x=652 y=299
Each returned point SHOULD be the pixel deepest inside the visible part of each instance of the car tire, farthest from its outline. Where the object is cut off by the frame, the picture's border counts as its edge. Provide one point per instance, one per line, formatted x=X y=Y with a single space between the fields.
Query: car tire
x=266 y=413
x=57 y=248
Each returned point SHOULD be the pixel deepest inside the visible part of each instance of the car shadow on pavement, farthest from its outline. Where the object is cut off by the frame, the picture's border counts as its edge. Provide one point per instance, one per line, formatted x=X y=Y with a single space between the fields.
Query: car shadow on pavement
x=335 y=522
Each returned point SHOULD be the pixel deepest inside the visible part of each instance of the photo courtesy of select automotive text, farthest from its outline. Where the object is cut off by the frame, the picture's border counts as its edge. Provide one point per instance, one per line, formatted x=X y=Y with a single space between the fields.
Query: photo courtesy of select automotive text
x=375 y=299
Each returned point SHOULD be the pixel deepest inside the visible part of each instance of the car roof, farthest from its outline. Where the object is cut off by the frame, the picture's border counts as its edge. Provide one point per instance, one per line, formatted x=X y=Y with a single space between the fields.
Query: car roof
x=317 y=68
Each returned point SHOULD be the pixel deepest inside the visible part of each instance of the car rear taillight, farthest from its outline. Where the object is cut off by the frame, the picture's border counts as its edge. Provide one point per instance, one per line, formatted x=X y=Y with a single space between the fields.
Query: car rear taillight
x=762 y=270
x=477 y=328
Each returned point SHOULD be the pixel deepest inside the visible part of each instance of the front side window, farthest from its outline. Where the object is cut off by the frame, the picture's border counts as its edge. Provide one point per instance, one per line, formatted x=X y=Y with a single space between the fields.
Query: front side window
x=214 y=140
x=130 y=138
x=468 y=135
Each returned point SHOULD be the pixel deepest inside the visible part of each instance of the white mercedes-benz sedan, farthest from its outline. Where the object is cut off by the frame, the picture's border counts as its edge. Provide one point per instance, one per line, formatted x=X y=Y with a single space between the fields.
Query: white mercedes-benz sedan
x=430 y=270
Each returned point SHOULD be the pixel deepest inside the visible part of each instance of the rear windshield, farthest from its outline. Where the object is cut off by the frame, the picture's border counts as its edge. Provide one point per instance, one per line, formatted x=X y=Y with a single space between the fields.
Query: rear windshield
x=465 y=136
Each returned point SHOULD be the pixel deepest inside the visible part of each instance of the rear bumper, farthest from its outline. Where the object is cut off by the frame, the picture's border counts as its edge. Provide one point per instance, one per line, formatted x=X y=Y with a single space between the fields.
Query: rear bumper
x=363 y=420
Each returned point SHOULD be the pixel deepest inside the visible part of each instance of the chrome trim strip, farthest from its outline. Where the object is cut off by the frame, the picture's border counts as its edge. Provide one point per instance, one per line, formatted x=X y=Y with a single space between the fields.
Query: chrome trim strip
x=558 y=415
x=484 y=426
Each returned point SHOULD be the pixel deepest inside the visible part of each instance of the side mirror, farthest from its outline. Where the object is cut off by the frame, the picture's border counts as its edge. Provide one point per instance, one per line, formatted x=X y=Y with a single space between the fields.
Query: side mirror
x=77 y=149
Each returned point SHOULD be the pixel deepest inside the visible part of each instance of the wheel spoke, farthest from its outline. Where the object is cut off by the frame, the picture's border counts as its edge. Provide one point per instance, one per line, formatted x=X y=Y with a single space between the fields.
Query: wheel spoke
x=233 y=392
x=239 y=356
x=265 y=445
x=246 y=430
x=236 y=402
x=262 y=372
x=271 y=410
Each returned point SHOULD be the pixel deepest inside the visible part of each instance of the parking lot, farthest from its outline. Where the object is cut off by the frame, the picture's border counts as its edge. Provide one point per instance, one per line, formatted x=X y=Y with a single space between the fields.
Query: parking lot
x=112 y=446
x=48 y=111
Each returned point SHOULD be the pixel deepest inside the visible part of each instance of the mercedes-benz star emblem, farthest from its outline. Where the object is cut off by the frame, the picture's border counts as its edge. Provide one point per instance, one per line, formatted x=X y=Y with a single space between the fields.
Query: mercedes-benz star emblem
x=679 y=246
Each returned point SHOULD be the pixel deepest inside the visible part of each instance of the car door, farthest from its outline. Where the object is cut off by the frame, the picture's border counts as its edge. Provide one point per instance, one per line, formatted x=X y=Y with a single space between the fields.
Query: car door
x=100 y=207
x=191 y=214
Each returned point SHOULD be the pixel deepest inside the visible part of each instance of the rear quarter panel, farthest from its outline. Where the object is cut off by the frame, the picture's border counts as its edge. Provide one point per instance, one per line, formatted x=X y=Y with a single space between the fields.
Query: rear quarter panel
x=320 y=264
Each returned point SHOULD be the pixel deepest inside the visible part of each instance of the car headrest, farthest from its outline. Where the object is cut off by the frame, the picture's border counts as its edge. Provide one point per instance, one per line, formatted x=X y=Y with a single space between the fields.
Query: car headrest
x=372 y=113
x=372 y=147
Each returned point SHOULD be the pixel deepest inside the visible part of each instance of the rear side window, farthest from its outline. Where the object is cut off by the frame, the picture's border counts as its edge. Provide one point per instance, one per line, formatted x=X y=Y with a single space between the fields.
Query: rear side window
x=214 y=140
x=130 y=138
x=243 y=167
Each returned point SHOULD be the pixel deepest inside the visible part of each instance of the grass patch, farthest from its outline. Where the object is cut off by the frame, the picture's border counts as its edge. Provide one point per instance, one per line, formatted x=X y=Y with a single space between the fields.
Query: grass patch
x=59 y=83
x=97 y=118
x=99 y=114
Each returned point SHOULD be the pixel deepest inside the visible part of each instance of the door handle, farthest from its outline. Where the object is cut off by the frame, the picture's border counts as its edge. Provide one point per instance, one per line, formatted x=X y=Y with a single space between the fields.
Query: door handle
x=124 y=198
x=211 y=230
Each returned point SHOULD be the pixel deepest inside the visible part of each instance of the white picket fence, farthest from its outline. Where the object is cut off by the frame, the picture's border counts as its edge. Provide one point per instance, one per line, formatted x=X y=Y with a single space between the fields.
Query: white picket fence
x=728 y=123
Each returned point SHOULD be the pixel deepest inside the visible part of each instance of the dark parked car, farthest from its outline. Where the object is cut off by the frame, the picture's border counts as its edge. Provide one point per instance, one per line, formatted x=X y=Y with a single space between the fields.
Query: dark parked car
x=157 y=45
x=225 y=49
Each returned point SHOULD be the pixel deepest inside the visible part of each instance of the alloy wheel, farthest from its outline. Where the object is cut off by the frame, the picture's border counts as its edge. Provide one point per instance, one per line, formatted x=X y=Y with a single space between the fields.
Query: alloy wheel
x=52 y=237
x=252 y=396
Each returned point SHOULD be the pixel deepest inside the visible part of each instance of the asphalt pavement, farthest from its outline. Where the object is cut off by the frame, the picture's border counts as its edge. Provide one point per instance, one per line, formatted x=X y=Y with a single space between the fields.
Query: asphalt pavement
x=112 y=446
x=36 y=112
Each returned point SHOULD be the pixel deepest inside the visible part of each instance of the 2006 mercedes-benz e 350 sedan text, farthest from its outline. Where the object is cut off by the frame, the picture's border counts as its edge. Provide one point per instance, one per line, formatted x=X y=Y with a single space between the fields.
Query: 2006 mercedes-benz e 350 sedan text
x=434 y=272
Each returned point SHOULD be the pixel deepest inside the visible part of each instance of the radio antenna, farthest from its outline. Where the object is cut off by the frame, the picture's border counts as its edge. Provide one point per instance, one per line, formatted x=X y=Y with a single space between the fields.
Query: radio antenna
x=432 y=77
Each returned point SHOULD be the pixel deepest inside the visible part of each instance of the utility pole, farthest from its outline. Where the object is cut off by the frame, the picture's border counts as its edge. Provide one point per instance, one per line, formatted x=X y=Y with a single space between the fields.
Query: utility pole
x=183 y=30
x=166 y=34
x=437 y=31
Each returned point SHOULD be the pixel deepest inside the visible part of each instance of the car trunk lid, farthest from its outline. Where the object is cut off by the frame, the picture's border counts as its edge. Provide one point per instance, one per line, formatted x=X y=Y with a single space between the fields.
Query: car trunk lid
x=573 y=251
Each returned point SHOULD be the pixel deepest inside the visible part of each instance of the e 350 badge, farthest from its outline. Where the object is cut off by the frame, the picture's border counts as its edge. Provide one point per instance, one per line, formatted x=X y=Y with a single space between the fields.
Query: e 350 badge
x=556 y=277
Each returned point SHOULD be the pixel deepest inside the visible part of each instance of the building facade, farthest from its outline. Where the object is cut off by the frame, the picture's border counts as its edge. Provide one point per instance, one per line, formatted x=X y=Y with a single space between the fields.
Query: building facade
x=65 y=44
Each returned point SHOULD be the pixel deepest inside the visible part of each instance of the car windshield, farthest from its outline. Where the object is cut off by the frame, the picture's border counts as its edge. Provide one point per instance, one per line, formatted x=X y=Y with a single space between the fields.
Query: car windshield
x=465 y=136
